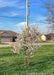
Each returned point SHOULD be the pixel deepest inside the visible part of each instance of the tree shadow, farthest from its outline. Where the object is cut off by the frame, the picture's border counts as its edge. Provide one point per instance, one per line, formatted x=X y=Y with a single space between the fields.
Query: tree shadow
x=42 y=64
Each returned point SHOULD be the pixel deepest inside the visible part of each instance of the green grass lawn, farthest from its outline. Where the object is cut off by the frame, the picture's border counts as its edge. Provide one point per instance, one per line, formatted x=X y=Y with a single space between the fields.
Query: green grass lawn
x=42 y=61
x=46 y=41
x=3 y=43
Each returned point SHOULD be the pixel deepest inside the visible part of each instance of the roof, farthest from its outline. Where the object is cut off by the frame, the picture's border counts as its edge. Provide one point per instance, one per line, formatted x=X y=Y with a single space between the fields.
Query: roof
x=11 y=33
x=51 y=34
x=48 y=36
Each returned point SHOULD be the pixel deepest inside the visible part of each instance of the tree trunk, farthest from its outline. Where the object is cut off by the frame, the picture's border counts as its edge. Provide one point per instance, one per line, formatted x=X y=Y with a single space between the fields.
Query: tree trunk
x=27 y=60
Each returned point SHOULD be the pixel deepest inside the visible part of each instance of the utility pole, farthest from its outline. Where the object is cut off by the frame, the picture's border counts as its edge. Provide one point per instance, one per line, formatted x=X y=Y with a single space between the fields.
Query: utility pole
x=27 y=5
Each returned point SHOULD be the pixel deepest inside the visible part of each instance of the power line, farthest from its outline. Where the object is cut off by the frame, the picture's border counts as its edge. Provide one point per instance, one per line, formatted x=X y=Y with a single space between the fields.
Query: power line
x=32 y=19
x=37 y=21
x=11 y=17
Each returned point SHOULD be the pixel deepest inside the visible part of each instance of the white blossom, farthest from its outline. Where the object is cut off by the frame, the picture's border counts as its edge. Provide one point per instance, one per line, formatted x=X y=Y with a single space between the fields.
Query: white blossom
x=26 y=42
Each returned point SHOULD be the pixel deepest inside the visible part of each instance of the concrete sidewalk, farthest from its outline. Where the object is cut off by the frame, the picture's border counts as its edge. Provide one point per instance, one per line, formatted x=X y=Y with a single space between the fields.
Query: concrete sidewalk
x=46 y=43
x=38 y=43
x=5 y=45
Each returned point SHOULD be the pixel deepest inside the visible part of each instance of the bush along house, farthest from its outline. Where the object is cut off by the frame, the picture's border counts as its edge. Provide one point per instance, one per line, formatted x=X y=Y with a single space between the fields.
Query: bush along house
x=7 y=36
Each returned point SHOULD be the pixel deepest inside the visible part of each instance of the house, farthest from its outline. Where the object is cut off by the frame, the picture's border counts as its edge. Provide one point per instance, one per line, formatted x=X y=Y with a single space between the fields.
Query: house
x=7 y=36
x=52 y=36
x=45 y=37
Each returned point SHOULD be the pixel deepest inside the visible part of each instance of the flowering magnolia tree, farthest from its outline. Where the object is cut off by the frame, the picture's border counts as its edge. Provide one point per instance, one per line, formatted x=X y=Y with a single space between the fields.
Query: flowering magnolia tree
x=26 y=42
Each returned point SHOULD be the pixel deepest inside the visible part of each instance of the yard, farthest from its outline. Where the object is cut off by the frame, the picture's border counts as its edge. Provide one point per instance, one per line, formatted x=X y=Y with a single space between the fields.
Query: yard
x=3 y=43
x=42 y=61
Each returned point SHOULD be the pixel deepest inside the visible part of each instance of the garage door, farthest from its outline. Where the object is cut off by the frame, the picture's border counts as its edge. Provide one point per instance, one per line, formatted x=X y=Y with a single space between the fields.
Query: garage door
x=5 y=39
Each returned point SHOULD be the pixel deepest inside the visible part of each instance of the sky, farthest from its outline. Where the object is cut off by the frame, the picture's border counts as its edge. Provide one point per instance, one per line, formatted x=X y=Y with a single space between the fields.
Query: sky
x=17 y=8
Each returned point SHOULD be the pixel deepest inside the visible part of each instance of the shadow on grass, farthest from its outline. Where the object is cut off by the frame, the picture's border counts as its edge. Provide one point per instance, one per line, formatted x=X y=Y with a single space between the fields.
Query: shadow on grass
x=43 y=64
x=12 y=68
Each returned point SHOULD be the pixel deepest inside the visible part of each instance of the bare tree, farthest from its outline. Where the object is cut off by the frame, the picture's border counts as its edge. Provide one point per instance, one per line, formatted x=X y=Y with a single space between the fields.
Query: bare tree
x=26 y=42
x=0 y=39
x=49 y=6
